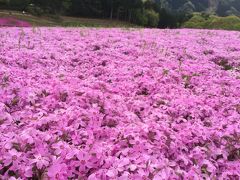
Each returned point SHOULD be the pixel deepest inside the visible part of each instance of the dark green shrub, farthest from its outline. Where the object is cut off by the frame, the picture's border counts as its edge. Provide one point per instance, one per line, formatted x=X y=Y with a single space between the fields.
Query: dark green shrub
x=152 y=18
x=147 y=17
x=213 y=22
x=35 y=10
x=139 y=17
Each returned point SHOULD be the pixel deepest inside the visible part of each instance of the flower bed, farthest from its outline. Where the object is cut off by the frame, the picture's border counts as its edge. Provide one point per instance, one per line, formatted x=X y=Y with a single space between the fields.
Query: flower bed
x=119 y=104
x=12 y=22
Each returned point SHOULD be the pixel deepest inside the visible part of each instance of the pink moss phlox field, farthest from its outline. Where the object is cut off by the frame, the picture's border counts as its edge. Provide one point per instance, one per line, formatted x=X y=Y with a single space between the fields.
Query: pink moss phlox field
x=119 y=104
x=12 y=22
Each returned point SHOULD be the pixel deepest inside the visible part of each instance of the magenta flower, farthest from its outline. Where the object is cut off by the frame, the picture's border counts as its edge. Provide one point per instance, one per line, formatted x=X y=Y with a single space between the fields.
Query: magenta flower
x=82 y=103
x=12 y=157
x=40 y=161
x=28 y=171
x=112 y=173
x=57 y=171
x=11 y=22
x=59 y=147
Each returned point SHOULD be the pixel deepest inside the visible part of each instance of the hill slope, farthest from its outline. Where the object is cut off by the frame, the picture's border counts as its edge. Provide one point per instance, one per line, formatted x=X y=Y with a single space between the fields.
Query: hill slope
x=64 y=20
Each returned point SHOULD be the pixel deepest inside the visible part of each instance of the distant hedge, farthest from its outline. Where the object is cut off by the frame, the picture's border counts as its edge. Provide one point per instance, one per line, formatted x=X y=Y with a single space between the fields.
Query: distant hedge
x=201 y=20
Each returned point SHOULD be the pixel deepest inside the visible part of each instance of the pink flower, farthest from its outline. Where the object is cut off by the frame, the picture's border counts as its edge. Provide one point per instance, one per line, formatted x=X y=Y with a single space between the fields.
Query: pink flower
x=57 y=171
x=132 y=167
x=40 y=161
x=12 y=157
x=115 y=104
x=28 y=171
x=112 y=173
x=59 y=147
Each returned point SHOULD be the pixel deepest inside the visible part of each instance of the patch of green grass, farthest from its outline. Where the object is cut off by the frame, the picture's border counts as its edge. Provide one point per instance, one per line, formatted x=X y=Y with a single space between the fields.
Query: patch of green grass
x=88 y=22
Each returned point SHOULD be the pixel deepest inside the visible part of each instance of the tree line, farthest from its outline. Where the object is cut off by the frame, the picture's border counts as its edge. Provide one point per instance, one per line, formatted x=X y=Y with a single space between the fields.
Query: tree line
x=150 y=13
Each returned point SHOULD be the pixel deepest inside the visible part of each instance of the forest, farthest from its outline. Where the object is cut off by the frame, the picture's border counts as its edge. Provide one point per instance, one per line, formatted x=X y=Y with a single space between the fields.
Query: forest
x=149 y=13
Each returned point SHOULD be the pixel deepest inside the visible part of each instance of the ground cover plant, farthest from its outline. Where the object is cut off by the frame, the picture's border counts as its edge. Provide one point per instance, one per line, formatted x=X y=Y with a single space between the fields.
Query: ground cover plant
x=119 y=104
x=12 y=22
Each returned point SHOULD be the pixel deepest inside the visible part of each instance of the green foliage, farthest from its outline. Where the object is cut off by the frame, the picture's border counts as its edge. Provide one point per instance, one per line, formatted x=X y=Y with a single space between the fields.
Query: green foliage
x=15 y=4
x=140 y=18
x=148 y=18
x=197 y=21
x=152 y=18
x=66 y=4
x=150 y=13
x=35 y=10
x=229 y=23
x=213 y=22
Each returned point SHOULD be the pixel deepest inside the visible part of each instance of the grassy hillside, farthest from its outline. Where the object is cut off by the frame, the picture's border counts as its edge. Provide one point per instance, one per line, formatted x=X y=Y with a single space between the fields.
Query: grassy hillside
x=213 y=22
x=64 y=20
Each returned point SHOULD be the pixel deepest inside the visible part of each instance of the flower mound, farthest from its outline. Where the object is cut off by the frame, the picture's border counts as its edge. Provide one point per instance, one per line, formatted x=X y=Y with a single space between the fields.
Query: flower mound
x=12 y=22
x=119 y=104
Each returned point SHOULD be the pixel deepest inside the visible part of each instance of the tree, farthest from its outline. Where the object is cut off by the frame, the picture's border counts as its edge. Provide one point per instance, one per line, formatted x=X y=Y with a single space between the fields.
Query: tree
x=152 y=18
x=167 y=19
x=188 y=8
